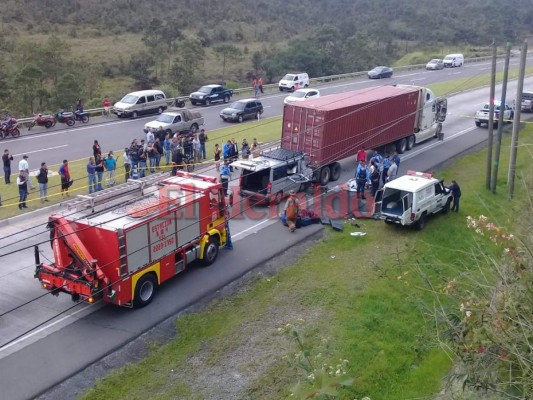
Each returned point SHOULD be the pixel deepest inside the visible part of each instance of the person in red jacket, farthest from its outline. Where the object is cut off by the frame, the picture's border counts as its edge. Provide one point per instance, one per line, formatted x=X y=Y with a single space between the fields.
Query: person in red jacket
x=106 y=104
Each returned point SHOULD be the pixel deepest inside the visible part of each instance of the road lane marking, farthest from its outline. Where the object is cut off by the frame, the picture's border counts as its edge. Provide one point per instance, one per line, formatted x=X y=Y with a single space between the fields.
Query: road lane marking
x=45 y=327
x=419 y=79
x=38 y=151
x=252 y=227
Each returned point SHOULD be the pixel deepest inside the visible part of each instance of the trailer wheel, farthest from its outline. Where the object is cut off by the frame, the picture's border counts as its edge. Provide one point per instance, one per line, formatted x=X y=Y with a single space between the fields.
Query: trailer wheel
x=210 y=251
x=411 y=141
x=401 y=146
x=335 y=169
x=145 y=290
x=325 y=174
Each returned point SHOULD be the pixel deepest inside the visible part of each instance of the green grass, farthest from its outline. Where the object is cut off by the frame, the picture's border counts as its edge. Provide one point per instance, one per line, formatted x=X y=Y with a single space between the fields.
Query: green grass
x=474 y=82
x=369 y=301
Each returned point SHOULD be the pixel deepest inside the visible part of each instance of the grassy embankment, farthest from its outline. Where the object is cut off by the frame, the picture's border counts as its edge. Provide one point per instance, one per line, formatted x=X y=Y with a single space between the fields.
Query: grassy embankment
x=359 y=300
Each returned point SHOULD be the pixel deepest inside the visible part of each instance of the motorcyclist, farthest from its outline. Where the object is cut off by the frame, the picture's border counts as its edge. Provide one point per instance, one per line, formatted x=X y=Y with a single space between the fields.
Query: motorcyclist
x=9 y=121
x=79 y=105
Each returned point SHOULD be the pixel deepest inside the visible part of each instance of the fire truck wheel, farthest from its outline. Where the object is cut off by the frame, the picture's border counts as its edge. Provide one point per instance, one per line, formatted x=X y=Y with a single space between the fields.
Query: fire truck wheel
x=145 y=290
x=210 y=252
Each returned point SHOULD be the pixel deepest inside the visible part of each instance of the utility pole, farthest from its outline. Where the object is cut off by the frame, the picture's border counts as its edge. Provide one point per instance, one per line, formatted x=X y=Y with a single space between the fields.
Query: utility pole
x=516 y=121
x=491 y=114
x=500 y=120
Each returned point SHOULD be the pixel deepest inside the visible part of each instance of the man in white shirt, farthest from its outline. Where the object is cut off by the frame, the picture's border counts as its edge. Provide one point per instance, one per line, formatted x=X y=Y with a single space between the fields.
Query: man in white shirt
x=392 y=171
x=25 y=167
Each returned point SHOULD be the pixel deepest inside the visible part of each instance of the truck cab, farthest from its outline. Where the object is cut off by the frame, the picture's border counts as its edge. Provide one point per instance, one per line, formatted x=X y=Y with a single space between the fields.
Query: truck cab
x=270 y=177
x=412 y=198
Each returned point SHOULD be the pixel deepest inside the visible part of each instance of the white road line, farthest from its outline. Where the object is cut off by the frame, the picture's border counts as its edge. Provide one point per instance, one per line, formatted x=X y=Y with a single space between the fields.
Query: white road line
x=454 y=73
x=38 y=151
x=29 y=335
x=438 y=143
x=419 y=79
x=61 y=131
x=252 y=227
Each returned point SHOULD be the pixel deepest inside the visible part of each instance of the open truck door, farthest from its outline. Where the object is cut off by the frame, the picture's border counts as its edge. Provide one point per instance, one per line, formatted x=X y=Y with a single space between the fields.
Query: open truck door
x=407 y=210
x=378 y=201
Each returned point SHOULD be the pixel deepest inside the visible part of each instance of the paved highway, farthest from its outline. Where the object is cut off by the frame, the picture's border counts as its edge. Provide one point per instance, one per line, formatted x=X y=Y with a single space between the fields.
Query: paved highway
x=57 y=143
x=65 y=344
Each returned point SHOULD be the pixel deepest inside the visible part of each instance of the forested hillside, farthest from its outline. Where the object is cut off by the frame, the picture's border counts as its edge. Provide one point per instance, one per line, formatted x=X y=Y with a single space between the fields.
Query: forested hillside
x=57 y=50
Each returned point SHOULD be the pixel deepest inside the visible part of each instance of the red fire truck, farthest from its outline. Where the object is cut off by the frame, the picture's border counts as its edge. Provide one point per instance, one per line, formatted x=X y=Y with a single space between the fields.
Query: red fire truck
x=121 y=248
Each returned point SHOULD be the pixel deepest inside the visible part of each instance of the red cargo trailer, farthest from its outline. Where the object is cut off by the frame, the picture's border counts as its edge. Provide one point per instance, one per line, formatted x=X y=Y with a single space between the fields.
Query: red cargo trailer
x=334 y=127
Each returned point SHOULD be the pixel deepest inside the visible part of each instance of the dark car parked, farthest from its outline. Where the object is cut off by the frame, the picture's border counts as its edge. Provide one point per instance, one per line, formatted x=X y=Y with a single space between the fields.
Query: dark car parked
x=242 y=109
x=380 y=72
x=210 y=94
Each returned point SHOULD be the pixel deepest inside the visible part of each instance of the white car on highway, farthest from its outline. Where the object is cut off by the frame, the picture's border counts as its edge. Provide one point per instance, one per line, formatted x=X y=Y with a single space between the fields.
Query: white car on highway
x=302 y=94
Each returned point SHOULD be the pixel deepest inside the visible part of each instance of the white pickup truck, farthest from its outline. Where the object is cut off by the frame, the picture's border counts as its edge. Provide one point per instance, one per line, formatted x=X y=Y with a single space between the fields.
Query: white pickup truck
x=482 y=116
x=177 y=121
x=527 y=101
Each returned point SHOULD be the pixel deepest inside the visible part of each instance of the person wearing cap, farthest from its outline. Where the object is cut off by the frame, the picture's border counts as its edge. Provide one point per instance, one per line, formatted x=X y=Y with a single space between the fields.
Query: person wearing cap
x=24 y=166
x=291 y=211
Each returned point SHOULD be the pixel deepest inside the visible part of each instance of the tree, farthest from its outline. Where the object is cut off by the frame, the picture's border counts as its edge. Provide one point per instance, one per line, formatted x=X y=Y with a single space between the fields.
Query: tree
x=227 y=52
x=54 y=55
x=257 y=61
x=139 y=69
x=28 y=81
x=68 y=89
x=328 y=43
x=153 y=33
x=184 y=73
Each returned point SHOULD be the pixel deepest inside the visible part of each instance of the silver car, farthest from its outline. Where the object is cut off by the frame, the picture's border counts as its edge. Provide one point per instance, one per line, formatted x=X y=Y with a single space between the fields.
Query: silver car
x=434 y=64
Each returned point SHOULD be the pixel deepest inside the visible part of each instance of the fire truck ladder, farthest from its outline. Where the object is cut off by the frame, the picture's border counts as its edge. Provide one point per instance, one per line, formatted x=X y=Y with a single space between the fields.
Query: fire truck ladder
x=132 y=186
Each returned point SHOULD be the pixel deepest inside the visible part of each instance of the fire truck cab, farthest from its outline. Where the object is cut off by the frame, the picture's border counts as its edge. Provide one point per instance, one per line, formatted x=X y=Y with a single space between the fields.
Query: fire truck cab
x=120 y=251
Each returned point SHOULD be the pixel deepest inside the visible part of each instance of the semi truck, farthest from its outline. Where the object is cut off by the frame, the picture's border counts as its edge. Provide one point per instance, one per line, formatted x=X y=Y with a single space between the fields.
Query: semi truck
x=318 y=133
x=120 y=248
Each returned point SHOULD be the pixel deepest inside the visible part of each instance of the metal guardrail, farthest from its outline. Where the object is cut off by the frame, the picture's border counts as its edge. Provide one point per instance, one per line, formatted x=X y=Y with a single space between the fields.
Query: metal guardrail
x=273 y=87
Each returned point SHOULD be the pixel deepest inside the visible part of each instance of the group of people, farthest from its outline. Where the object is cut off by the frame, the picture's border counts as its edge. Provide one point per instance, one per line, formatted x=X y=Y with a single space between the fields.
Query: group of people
x=98 y=165
x=257 y=84
x=375 y=172
x=24 y=181
x=230 y=153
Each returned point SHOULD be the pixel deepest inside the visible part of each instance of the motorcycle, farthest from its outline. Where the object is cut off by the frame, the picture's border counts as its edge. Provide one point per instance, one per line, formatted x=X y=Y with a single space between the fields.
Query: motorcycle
x=82 y=116
x=65 y=117
x=9 y=130
x=43 y=120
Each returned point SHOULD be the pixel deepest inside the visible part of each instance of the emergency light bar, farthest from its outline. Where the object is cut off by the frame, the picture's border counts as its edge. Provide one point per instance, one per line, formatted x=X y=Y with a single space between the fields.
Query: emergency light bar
x=420 y=174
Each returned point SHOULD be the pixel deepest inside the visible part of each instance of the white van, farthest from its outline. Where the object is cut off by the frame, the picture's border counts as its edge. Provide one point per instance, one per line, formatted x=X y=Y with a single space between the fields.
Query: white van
x=454 y=60
x=141 y=102
x=410 y=199
x=292 y=82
